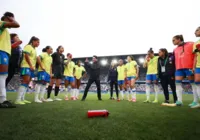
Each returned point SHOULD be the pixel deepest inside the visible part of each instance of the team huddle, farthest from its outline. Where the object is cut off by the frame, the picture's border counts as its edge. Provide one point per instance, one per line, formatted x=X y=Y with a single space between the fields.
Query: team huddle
x=53 y=67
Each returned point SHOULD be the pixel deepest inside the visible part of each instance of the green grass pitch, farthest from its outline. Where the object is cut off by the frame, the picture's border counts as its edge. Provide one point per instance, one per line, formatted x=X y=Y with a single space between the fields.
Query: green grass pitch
x=67 y=120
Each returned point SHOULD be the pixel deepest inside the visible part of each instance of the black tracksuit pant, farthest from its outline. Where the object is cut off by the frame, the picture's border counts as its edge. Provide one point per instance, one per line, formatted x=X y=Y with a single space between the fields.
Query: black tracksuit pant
x=13 y=64
x=168 y=80
x=90 y=81
x=114 y=83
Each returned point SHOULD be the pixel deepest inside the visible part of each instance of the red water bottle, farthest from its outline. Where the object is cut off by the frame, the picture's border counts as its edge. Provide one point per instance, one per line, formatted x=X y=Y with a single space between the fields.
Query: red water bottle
x=97 y=113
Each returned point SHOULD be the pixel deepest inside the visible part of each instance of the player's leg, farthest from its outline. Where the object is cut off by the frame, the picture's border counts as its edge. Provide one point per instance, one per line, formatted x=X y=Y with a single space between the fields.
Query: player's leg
x=156 y=88
x=49 y=89
x=111 y=89
x=73 y=90
x=11 y=72
x=179 y=75
x=97 y=82
x=171 y=81
x=90 y=81
x=116 y=90
x=164 y=84
x=78 y=83
x=38 y=86
x=4 y=61
x=57 y=89
x=196 y=94
x=148 y=89
x=121 y=87
x=23 y=88
x=133 y=89
x=67 y=92
x=127 y=87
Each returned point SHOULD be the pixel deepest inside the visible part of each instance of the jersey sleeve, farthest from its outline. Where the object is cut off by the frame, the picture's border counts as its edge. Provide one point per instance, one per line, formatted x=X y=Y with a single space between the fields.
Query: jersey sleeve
x=194 y=48
x=27 y=49
x=135 y=63
x=83 y=69
x=42 y=55
x=1 y=26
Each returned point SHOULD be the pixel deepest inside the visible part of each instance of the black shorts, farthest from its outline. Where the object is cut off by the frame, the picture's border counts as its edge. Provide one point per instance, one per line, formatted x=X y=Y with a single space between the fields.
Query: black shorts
x=57 y=72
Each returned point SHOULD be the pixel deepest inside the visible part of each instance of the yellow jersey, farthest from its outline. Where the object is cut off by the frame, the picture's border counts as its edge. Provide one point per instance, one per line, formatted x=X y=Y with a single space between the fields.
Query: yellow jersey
x=197 y=53
x=31 y=51
x=79 y=71
x=46 y=61
x=5 y=42
x=121 y=72
x=69 y=69
x=152 y=65
x=131 y=68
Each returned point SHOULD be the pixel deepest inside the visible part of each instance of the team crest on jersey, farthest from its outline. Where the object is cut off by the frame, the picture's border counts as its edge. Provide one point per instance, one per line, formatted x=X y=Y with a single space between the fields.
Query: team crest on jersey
x=5 y=60
x=42 y=76
x=27 y=70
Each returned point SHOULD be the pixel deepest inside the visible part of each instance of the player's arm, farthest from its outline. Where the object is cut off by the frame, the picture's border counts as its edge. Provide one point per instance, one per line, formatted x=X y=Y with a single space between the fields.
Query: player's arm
x=74 y=70
x=40 y=62
x=51 y=71
x=84 y=74
x=27 y=58
x=195 y=62
x=11 y=24
x=137 y=71
x=16 y=44
x=66 y=62
x=145 y=64
x=125 y=72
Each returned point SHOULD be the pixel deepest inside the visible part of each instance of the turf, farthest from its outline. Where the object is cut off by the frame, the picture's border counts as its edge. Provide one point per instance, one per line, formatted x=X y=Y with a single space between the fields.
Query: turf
x=67 y=120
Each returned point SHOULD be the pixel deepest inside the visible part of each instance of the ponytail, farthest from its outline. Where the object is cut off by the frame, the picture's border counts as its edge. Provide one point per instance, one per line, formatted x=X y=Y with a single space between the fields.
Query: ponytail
x=46 y=48
x=180 y=37
x=33 y=38
x=151 y=50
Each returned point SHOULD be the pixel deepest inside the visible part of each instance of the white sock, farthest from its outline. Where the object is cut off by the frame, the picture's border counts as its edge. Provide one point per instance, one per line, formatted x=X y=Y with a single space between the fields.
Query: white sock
x=198 y=90
x=24 y=94
x=37 y=91
x=122 y=94
x=21 y=91
x=133 y=93
x=66 y=92
x=73 y=92
x=42 y=91
x=156 y=88
x=78 y=91
x=148 y=91
x=179 y=91
x=3 y=88
x=127 y=94
x=194 y=91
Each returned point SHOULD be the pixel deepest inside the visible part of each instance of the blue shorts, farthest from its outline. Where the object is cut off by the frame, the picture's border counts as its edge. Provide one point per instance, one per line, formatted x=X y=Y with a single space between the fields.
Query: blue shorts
x=43 y=76
x=69 y=79
x=27 y=71
x=183 y=72
x=120 y=82
x=130 y=78
x=151 y=77
x=197 y=71
x=4 y=58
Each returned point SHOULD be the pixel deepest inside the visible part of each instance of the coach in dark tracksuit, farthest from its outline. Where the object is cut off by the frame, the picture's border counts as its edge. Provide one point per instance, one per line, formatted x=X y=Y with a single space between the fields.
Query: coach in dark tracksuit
x=94 y=72
x=166 y=73
x=14 y=61
x=112 y=78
